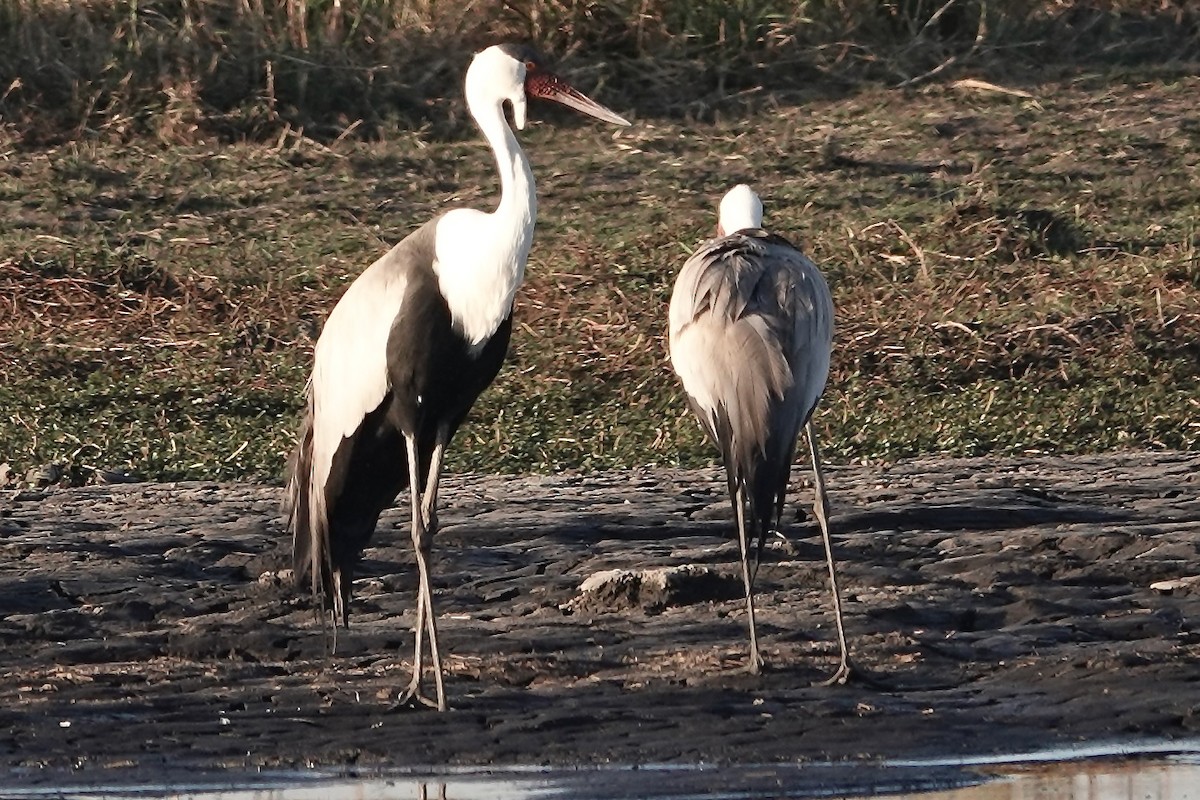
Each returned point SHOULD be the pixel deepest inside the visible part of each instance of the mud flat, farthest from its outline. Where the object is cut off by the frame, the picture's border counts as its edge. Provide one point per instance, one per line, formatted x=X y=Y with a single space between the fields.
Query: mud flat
x=997 y=605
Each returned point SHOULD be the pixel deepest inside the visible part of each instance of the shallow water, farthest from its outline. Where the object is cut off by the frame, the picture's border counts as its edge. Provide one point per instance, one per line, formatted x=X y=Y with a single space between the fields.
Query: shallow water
x=1145 y=772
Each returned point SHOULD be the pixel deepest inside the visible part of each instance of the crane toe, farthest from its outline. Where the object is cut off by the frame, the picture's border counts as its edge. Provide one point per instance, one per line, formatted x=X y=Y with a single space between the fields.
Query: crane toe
x=414 y=697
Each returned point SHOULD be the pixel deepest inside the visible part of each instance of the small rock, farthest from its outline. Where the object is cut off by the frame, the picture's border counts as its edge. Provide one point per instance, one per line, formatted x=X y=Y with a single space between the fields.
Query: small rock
x=1176 y=584
x=275 y=578
x=654 y=589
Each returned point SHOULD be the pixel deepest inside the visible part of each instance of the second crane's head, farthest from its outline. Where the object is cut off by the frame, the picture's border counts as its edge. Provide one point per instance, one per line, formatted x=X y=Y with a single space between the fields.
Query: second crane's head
x=740 y=210
x=514 y=73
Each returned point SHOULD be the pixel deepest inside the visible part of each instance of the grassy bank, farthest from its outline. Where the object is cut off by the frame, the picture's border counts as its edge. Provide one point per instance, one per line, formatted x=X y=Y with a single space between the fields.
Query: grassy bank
x=1013 y=272
x=188 y=186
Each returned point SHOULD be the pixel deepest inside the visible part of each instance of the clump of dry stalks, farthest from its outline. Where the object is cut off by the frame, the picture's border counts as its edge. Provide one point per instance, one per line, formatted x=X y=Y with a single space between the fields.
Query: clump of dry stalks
x=185 y=69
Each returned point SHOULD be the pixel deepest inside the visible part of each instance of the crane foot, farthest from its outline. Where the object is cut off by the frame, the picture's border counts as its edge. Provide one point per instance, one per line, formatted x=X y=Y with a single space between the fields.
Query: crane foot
x=847 y=672
x=413 y=697
x=839 y=678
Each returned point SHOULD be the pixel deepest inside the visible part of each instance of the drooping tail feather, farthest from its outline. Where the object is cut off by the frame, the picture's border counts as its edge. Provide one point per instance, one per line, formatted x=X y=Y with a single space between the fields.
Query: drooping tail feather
x=306 y=519
x=761 y=477
x=296 y=501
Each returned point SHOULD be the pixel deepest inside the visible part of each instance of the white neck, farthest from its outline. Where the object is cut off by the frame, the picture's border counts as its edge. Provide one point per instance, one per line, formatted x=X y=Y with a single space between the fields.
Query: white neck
x=518 y=194
x=481 y=257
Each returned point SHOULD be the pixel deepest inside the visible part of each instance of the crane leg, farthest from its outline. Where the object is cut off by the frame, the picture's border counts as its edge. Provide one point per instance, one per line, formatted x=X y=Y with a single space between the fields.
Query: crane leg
x=739 y=508
x=341 y=605
x=430 y=497
x=821 y=509
x=426 y=620
x=414 y=687
x=429 y=513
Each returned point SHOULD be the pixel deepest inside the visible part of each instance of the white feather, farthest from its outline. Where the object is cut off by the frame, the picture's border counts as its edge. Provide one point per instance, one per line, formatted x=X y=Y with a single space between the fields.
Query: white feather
x=479 y=260
x=481 y=257
x=349 y=377
x=494 y=77
x=480 y=265
x=740 y=209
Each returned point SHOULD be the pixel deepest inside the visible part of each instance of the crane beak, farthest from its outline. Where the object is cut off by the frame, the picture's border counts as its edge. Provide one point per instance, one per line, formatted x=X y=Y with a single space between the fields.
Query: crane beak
x=548 y=86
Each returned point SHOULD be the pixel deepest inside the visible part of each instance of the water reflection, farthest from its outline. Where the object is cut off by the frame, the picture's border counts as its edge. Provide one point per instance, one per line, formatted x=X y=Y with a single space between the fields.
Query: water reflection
x=1170 y=779
x=1083 y=781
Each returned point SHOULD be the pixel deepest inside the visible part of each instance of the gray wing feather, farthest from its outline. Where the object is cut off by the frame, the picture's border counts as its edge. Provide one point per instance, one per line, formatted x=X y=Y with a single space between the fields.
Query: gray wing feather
x=310 y=544
x=750 y=335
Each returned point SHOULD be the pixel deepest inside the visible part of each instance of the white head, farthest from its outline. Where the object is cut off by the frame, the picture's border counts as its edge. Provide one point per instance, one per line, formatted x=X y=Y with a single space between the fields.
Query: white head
x=515 y=72
x=497 y=74
x=740 y=209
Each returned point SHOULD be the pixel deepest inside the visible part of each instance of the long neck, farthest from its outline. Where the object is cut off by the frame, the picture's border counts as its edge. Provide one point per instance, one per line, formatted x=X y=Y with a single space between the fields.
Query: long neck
x=518 y=194
x=481 y=257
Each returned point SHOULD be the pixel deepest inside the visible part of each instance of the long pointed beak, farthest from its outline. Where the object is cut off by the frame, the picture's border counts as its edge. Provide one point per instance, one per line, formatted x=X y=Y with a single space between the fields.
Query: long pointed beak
x=549 y=86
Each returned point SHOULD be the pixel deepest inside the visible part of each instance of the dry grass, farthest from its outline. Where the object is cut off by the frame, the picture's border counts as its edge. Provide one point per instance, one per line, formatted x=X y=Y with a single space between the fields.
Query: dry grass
x=190 y=70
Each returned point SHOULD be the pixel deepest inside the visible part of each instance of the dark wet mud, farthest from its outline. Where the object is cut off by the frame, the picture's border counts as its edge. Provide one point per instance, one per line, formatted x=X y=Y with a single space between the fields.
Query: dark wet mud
x=997 y=606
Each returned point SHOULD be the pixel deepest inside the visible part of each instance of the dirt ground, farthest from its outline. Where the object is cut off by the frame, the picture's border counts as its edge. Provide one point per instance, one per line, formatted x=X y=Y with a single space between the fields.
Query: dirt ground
x=996 y=605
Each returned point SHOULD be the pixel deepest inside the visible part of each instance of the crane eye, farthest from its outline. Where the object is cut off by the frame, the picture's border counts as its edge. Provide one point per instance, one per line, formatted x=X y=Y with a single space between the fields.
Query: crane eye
x=530 y=65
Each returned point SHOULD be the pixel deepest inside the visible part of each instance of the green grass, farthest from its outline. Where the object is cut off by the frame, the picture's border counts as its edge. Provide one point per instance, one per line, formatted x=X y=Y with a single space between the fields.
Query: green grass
x=1011 y=275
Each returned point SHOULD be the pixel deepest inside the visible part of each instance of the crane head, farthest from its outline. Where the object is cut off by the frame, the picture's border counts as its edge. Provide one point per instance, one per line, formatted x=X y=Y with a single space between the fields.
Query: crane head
x=514 y=72
x=740 y=209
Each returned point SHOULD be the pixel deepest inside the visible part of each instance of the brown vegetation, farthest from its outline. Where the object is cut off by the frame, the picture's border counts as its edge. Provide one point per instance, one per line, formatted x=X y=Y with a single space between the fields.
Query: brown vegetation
x=1014 y=261
x=183 y=70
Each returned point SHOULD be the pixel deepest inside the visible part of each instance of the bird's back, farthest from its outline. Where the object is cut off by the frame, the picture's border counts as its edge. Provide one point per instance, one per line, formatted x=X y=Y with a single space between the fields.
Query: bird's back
x=751 y=327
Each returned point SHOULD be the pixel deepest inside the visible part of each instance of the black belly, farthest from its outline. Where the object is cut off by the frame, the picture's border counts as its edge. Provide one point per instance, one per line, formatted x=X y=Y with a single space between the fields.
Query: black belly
x=434 y=377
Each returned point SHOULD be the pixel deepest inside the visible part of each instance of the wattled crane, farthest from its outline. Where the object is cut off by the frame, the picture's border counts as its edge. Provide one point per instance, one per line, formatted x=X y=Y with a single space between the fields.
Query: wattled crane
x=405 y=352
x=751 y=333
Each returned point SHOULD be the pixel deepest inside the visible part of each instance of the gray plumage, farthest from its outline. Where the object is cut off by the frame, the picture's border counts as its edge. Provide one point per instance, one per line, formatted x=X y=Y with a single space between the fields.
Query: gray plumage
x=752 y=325
x=751 y=332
